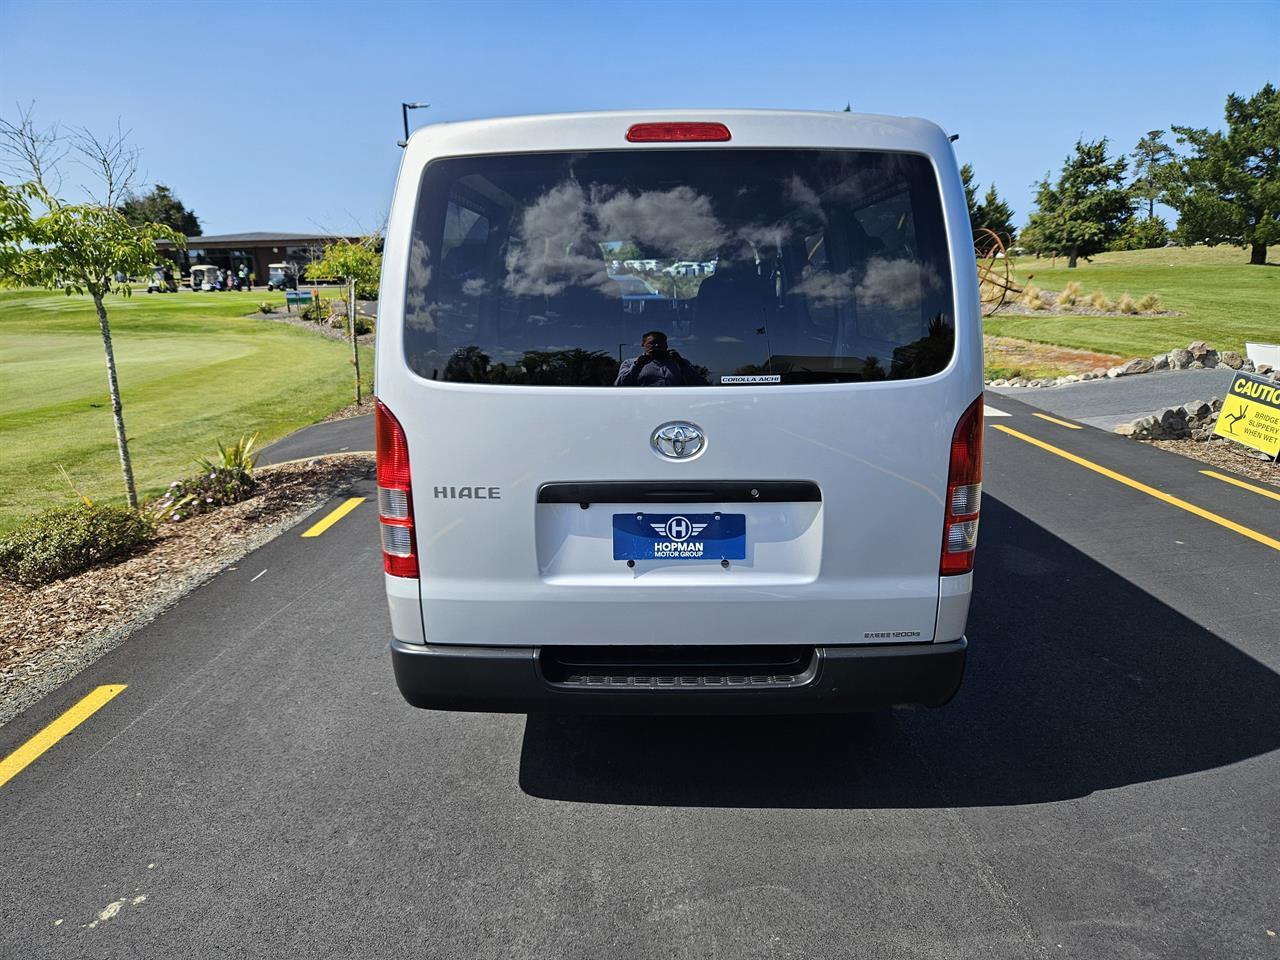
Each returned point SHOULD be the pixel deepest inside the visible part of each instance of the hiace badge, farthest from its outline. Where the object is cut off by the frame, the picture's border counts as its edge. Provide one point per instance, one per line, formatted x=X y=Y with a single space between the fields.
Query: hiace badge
x=679 y=536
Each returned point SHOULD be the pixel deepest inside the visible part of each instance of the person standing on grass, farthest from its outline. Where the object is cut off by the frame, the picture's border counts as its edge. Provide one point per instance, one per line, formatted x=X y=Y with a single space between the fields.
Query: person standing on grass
x=243 y=276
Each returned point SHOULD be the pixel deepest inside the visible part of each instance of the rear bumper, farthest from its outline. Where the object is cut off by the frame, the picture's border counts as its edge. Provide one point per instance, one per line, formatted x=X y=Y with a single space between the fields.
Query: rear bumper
x=509 y=680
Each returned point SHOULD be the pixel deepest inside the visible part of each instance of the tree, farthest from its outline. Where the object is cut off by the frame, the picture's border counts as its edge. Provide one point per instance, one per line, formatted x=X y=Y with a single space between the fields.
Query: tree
x=1085 y=210
x=1154 y=167
x=970 y=184
x=994 y=214
x=161 y=206
x=32 y=153
x=1231 y=191
x=78 y=248
x=1142 y=234
x=358 y=264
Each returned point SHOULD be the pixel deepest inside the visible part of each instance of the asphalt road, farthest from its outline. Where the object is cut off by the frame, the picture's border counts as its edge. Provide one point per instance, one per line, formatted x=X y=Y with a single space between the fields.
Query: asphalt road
x=1105 y=785
x=1105 y=403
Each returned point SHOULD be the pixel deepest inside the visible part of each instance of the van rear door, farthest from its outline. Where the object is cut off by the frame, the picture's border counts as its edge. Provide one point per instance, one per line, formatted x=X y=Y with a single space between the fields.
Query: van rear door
x=680 y=395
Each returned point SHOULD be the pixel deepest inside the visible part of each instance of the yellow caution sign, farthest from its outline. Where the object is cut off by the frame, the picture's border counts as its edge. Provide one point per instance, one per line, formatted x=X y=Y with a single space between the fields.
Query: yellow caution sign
x=1251 y=414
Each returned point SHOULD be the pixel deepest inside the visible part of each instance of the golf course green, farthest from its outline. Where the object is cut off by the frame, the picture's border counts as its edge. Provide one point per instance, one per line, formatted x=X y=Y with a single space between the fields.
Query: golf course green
x=194 y=369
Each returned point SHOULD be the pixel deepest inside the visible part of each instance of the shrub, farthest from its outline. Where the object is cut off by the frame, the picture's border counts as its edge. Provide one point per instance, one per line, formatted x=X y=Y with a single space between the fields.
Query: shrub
x=1125 y=304
x=266 y=306
x=1149 y=304
x=1142 y=234
x=224 y=479
x=1099 y=301
x=66 y=540
x=339 y=321
x=317 y=311
x=1070 y=294
x=1033 y=298
x=239 y=456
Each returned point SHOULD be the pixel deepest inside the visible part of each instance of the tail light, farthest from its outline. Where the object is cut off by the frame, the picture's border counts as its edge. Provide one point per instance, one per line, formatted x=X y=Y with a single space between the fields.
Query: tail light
x=677 y=133
x=964 y=493
x=395 y=499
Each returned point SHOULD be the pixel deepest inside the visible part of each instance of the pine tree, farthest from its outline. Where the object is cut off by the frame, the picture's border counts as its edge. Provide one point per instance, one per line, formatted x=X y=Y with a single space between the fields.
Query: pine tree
x=1231 y=191
x=1154 y=166
x=995 y=214
x=1086 y=209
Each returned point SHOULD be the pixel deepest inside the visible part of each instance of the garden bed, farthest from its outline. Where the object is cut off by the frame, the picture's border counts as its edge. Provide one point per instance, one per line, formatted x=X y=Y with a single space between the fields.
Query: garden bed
x=48 y=634
x=1223 y=455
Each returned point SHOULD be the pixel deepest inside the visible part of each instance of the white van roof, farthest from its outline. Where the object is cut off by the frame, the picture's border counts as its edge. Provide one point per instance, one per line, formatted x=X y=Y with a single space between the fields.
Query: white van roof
x=606 y=130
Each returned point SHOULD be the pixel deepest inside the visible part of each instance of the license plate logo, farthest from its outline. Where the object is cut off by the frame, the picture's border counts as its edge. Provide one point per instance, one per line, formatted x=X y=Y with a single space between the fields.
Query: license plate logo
x=679 y=536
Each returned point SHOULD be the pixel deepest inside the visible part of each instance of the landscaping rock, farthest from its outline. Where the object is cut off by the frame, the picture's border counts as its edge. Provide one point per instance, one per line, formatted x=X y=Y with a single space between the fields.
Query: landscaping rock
x=1196 y=365
x=1099 y=372
x=1247 y=366
x=1002 y=382
x=1231 y=359
x=1135 y=366
x=1199 y=408
x=1160 y=361
x=1198 y=349
x=1264 y=368
x=1179 y=359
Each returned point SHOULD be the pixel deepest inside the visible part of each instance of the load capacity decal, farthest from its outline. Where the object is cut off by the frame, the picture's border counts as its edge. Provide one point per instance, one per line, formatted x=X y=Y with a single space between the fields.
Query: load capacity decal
x=1251 y=414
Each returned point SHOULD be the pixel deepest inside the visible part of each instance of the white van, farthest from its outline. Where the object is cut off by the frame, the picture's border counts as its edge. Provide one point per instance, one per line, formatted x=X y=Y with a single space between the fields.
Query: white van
x=679 y=412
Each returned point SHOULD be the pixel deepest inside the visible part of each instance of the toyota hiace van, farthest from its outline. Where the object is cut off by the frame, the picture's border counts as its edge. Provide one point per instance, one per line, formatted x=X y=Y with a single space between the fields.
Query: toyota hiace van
x=679 y=412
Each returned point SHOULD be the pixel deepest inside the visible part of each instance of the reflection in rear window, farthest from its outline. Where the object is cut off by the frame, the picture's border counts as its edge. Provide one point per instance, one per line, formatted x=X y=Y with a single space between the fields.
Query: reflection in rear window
x=740 y=266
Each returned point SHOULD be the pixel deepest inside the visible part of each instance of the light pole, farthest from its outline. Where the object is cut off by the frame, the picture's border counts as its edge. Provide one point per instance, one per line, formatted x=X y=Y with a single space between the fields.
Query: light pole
x=404 y=112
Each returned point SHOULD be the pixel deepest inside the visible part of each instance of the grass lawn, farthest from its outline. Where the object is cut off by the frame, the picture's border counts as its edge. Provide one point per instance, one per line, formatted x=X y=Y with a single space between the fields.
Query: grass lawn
x=1225 y=301
x=193 y=370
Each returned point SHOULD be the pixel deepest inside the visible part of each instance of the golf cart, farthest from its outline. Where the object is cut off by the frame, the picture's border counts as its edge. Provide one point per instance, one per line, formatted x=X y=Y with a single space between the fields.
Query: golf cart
x=281 y=276
x=204 y=277
x=162 y=281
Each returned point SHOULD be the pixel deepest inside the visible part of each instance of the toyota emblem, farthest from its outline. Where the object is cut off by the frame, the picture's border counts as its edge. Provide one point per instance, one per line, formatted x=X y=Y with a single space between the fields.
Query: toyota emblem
x=678 y=440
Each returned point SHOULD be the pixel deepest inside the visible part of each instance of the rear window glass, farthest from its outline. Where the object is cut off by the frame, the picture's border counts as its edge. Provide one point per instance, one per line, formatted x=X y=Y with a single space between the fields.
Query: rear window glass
x=711 y=267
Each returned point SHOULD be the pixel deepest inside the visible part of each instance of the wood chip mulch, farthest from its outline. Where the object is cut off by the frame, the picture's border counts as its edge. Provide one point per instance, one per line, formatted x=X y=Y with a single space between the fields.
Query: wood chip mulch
x=365 y=406
x=1226 y=456
x=50 y=633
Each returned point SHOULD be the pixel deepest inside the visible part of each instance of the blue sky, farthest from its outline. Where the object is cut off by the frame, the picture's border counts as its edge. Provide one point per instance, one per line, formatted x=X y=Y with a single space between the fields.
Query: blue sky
x=284 y=116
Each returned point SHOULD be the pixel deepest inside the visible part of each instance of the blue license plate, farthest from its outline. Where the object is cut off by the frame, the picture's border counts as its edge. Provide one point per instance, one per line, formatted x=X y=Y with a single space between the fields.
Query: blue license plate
x=679 y=536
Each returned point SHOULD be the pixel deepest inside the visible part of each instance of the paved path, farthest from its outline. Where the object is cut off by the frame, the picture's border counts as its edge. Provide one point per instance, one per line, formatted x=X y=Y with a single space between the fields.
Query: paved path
x=1105 y=403
x=336 y=436
x=1105 y=785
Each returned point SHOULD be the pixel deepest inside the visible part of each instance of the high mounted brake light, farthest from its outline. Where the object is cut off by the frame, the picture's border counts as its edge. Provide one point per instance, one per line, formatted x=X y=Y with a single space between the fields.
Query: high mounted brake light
x=964 y=493
x=678 y=133
x=395 y=498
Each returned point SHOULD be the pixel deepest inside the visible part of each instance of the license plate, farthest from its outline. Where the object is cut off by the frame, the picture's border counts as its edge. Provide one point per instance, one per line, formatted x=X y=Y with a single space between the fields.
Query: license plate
x=679 y=536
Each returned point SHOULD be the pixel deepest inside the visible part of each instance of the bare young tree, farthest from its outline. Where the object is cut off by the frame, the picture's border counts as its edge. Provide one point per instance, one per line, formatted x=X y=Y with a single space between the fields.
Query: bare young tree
x=112 y=160
x=30 y=152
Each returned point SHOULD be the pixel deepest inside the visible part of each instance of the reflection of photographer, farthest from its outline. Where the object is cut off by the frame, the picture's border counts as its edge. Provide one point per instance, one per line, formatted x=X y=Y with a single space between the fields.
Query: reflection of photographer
x=657 y=366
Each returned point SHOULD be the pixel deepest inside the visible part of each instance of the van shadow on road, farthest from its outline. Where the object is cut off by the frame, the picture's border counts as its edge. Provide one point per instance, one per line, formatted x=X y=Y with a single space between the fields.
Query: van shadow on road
x=1077 y=681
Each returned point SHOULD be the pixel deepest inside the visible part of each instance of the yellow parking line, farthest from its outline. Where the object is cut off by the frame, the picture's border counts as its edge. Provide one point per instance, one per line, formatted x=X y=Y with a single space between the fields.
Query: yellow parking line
x=1061 y=423
x=1240 y=483
x=1150 y=491
x=25 y=755
x=332 y=518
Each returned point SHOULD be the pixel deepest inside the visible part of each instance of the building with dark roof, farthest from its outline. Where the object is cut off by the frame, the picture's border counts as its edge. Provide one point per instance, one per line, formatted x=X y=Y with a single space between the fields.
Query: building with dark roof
x=256 y=249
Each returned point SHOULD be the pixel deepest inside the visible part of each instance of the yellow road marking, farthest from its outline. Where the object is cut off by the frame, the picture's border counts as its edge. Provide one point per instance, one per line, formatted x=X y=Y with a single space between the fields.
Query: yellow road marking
x=332 y=518
x=1150 y=491
x=25 y=755
x=1240 y=483
x=1061 y=423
